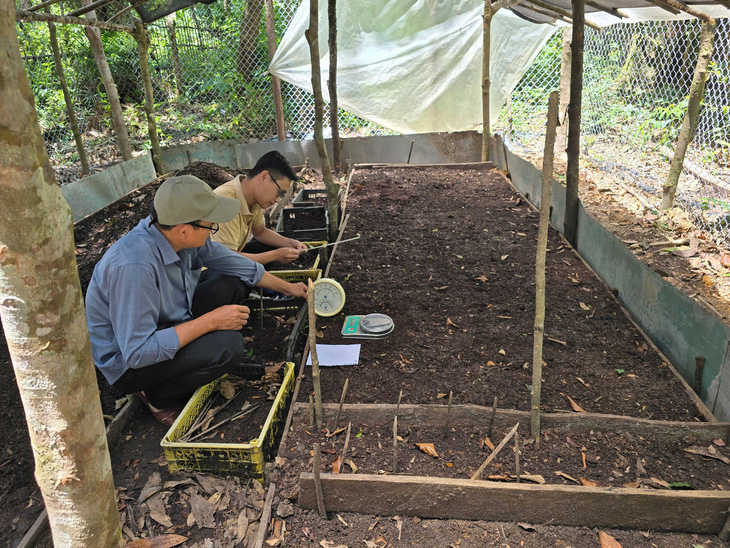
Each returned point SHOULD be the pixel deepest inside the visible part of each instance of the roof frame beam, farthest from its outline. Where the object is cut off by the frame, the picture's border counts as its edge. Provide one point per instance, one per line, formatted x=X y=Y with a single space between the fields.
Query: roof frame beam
x=611 y=11
x=90 y=7
x=559 y=11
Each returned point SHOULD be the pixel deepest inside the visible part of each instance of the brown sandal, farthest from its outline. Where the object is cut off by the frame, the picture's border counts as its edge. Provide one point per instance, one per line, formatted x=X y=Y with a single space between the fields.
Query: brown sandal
x=165 y=416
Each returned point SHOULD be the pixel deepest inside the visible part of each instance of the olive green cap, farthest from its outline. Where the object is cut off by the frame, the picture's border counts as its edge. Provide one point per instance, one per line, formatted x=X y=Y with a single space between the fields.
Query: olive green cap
x=186 y=198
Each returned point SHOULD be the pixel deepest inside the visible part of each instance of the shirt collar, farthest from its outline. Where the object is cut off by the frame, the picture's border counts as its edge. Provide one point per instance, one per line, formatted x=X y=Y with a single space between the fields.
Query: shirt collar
x=168 y=253
x=241 y=198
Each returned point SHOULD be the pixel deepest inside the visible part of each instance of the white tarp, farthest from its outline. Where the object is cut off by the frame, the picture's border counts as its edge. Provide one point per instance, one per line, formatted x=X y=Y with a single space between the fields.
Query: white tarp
x=413 y=67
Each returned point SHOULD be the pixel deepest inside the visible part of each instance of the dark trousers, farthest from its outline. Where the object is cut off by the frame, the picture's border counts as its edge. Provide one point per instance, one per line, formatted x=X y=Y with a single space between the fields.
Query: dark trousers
x=173 y=381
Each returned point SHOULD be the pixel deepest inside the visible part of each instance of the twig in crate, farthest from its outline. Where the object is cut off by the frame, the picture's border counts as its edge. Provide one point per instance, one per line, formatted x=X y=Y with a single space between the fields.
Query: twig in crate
x=342 y=400
x=395 y=444
x=491 y=418
x=318 y=482
x=496 y=450
x=248 y=408
x=202 y=416
x=344 y=449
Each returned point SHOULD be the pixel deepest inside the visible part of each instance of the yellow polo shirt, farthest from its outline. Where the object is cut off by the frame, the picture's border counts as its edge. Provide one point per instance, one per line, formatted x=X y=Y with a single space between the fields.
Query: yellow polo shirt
x=236 y=233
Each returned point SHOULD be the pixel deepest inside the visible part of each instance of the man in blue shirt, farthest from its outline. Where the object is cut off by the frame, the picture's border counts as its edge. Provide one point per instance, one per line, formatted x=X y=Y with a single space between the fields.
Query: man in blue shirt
x=152 y=332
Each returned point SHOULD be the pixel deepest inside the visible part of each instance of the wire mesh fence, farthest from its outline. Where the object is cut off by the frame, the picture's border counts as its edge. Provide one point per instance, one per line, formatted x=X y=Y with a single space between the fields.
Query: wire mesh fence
x=636 y=83
x=208 y=68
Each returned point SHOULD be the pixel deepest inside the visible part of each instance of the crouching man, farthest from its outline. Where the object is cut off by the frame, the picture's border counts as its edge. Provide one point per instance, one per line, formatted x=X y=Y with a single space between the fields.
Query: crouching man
x=153 y=330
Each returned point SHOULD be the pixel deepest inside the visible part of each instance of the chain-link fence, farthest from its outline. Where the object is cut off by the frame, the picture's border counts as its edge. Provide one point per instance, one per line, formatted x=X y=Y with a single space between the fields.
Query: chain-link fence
x=208 y=67
x=635 y=91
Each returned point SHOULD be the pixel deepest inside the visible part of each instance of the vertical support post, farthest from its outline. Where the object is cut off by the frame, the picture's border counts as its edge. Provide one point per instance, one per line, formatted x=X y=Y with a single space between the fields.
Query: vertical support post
x=175 y=53
x=570 y=226
x=486 y=82
x=542 y=234
x=564 y=91
x=313 y=352
x=275 y=82
x=696 y=91
x=143 y=47
x=332 y=86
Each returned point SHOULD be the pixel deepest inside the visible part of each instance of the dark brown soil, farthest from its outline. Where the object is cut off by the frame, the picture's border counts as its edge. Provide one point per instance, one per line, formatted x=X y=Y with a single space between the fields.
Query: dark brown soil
x=455 y=271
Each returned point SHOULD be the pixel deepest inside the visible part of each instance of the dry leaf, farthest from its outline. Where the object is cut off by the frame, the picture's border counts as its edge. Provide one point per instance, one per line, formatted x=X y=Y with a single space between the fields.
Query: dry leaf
x=352 y=465
x=242 y=527
x=490 y=362
x=607 y=541
x=504 y=257
x=577 y=408
x=584 y=306
x=320 y=333
x=710 y=452
x=339 y=517
x=660 y=483
x=449 y=322
x=337 y=465
x=589 y=483
x=535 y=478
x=489 y=443
x=324 y=543
x=156 y=504
x=481 y=278
x=566 y=476
x=153 y=485
x=633 y=484
x=162 y=541
x=273 y=368
x=428 y=448
x=501 y=351
x=227 y=389
x=441 y=395
x=719 y=442
x=338 y=431
x=527 y=526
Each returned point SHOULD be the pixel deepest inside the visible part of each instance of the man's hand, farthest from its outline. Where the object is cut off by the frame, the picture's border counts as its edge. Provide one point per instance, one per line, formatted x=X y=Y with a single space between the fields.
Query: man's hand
x=286 y=254
x=297 y=289
x=299 y=246
x=231 y=317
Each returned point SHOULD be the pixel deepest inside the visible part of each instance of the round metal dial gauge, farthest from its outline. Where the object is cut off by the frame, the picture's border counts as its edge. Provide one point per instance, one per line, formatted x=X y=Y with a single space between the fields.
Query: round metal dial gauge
x=329 y=297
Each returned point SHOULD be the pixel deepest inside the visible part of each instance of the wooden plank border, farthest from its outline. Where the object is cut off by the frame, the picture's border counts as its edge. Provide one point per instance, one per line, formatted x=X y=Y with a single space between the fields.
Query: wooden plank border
x=475 y=166
x=475 y=415
x=448 y=498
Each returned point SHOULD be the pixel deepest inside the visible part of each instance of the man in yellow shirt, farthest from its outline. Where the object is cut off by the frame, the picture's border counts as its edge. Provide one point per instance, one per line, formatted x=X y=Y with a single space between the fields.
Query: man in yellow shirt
x=261 y=188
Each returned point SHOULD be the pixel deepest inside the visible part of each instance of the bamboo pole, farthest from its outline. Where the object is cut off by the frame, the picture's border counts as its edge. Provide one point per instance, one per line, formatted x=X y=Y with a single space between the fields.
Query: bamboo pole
x=564 y=91
x=696 y=90
x=332 y=86
x=142 y=36
x=574 y=112
x=486 y=82
x=313 y=353
x=275 y=82
x=542 y=234
x=72 y=120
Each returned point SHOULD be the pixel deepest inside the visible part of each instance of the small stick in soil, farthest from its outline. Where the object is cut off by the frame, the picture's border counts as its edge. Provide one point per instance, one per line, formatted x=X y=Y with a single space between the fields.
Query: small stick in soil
x=311 y=410
x=408 y=161
x=397 y=407
x=313 y=352
x=342 y=400
x=245 y=411
x=491 y=418
x=395 y=444
x=517 y=456
x=448 y=412
x=344 y=449
x=496 y=450
x=318 y=482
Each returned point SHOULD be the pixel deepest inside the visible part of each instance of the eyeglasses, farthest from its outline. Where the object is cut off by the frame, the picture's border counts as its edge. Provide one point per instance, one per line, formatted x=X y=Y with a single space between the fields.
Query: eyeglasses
x=282 y=192
x=213 y=228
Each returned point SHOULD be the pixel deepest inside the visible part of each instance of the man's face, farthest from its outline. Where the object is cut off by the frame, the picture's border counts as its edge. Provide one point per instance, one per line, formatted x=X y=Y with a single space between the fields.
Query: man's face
x=272 y=190
x=199 y=232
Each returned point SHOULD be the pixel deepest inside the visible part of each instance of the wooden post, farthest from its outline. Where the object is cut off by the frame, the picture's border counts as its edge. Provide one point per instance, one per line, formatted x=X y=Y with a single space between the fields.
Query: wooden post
x=332 y=86
x=342 y=400
x=564 y=91
x=486 y=82
x=174 y=53
x=143 y=47
x=570 y=226
x=491 y=417
x=699 y=369
x=395 y=444
x=313 y=352
x=312 y=35
x=542 y=234
x=275 y=82
x=72 y=120
x=312 y=414
x=686 y=133
x=318 y=482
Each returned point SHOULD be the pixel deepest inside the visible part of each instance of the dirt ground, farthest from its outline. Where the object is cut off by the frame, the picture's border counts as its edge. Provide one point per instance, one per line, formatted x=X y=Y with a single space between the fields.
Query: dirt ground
x=448 y=340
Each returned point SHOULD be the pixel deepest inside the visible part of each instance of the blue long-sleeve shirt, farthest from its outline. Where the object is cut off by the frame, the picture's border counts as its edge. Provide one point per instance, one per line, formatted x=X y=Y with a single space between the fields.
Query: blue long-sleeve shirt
x=141 y=289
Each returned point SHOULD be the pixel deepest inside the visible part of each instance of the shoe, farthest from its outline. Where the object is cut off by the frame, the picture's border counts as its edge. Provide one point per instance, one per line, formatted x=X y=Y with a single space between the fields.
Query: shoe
x=165 y=416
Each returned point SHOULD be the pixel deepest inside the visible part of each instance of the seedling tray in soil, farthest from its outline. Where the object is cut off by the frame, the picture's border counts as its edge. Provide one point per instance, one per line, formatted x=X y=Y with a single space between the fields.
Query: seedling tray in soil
x=449 y=254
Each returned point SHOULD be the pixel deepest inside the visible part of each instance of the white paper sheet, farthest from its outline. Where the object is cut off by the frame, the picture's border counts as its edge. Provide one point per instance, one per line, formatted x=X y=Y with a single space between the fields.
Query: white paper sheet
x=332 y=355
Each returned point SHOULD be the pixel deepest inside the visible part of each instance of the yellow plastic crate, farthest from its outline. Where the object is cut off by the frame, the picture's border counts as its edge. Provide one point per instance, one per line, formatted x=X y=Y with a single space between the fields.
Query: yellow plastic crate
x=291 y=276
x=240 y=459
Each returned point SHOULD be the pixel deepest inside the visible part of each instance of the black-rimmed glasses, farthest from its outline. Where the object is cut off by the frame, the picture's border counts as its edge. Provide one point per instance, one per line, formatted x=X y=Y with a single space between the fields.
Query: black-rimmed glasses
x=282 y=192
x=213 y=228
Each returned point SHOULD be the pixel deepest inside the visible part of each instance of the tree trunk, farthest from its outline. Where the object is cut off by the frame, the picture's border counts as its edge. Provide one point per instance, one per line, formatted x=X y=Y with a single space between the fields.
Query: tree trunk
x=486 y=82
x=690 y=118
x=570 y=225
x=143 y=46
x=112 y=95
x=275 y=83
x=332 y=85
x=564 y=91
x=246 y=58
x=43 y=320
x=332 y=189
x=542 y=234
x=72 y=120
x=175 y=53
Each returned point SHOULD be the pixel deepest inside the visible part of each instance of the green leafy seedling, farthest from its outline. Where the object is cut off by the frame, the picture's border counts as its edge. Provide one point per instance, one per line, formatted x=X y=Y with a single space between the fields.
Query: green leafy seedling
x=680 y=485
x=359 y=434
x=250 y=352
x=620 y=372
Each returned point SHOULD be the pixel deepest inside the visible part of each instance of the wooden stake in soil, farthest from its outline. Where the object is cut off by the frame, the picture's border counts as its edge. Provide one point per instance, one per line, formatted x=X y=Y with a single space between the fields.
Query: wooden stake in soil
x=496 y=450
x=311 y=410
x=342 y=400
x=517 y=456
x=542 y=234
x=344 y=449
x=699 y=368
x=397 y=407
x=491 y=417
x=318 y=482
x=395 y=444
x=448 y=412
x=313 y=352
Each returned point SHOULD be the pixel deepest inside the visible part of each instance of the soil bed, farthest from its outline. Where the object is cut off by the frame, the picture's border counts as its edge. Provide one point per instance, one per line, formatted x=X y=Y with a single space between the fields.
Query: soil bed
x=449 y=255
